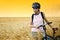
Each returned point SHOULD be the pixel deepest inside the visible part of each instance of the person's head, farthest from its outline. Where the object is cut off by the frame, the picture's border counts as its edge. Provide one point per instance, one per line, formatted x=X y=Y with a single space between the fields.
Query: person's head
x=36 y=7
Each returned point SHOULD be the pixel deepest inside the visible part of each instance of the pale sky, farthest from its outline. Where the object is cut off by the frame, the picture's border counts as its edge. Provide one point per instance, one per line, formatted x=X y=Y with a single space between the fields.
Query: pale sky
x=23 y=8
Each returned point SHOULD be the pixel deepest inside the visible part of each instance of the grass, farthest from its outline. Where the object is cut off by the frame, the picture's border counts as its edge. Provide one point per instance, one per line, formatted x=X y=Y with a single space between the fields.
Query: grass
x=18 y=28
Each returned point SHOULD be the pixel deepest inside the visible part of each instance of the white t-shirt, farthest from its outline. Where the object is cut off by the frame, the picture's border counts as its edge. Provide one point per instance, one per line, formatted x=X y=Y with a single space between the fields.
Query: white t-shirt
x=37 y=21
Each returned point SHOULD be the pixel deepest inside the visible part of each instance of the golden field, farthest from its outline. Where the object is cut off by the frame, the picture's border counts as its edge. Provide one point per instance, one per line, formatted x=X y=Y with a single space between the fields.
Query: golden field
x=18 y=28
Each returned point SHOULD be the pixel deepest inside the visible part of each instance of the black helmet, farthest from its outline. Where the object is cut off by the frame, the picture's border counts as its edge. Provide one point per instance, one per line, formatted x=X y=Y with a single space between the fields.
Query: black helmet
x=36 y=5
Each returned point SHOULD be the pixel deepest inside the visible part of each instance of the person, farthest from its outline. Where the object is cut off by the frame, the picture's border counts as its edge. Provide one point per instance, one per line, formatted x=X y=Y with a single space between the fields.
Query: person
x=37 y=20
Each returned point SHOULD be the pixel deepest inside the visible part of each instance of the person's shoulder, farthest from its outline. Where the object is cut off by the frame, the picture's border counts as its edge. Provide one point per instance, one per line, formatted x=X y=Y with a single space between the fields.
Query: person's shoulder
x=33 y=14
x=42 y=13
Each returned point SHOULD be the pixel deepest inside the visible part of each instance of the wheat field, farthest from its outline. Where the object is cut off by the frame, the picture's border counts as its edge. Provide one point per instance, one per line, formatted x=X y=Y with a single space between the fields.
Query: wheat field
x=18 y=28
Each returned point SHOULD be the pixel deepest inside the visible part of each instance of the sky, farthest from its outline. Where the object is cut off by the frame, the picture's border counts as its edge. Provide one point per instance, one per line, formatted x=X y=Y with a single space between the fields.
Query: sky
x=23 y=8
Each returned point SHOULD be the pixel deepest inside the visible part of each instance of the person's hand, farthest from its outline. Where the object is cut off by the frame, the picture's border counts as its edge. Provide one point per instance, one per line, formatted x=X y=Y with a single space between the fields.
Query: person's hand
x=31 y=26
x=49 y=23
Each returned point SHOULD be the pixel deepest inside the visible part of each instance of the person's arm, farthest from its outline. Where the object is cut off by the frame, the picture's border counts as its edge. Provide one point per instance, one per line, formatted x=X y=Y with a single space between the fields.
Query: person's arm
x=31 y=24
x=46 y=20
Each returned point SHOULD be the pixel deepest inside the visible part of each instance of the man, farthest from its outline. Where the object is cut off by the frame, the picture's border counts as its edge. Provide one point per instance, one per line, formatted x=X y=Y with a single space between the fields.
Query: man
x=37 y=19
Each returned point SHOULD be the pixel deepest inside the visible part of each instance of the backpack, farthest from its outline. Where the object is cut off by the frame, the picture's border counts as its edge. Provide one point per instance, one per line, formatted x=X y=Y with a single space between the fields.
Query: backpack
x=41 y=15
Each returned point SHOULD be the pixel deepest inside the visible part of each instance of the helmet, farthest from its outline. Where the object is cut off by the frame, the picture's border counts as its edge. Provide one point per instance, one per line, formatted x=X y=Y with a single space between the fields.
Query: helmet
x=36 y=5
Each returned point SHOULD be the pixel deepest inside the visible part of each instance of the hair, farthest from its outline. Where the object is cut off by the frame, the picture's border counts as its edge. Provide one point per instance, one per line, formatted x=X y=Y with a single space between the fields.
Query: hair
x=36 y=3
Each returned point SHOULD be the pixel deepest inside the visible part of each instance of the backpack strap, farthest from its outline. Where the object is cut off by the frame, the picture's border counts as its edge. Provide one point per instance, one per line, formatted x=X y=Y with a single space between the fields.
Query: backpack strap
x=42 y=15
x=32 y=17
